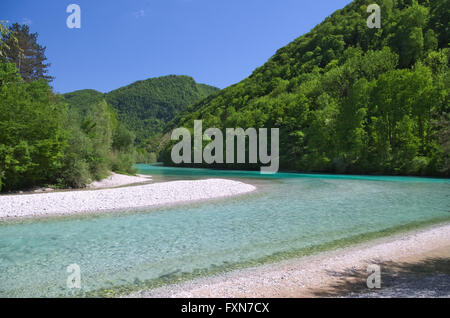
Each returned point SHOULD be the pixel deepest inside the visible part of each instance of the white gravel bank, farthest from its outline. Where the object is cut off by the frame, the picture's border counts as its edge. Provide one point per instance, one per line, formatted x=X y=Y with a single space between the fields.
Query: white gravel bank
x=117 y=180
x=299 y=277
x=136 y=197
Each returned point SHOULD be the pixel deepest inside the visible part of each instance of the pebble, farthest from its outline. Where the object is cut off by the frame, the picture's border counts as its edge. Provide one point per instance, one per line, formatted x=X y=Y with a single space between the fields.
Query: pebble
x=126 y=198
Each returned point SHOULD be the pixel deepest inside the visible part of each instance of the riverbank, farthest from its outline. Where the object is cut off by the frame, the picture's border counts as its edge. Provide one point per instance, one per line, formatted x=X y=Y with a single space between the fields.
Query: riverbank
x=126 y=198
x=412 y=259
x=119 y=180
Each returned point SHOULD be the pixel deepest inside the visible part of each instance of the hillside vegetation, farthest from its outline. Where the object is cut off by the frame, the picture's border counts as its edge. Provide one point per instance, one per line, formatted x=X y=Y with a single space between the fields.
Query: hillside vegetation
x=145 y=107
x=350 y=99
x=98 y=141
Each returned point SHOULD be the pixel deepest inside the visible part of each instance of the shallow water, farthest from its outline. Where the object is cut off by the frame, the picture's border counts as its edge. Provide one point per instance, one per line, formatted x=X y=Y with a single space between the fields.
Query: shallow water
x=289 y=212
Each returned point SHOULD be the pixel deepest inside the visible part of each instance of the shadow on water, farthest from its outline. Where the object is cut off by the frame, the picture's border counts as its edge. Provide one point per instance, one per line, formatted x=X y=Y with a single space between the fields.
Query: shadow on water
x=425 y=278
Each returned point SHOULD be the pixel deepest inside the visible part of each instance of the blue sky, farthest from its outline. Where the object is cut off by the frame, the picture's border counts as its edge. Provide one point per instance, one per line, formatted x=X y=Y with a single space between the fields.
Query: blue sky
x=217 y=42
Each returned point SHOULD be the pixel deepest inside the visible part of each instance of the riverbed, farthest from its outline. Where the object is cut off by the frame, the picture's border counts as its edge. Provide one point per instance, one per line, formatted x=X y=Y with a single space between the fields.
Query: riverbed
x=288 y=216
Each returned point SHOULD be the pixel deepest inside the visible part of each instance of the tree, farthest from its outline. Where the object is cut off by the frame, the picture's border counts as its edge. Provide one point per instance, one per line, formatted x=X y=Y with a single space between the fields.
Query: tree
x=4 y=32
x=22 y=49
x=32 y=137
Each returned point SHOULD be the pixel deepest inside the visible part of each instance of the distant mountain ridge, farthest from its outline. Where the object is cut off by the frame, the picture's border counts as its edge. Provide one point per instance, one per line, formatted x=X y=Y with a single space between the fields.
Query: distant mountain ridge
x=145 y=107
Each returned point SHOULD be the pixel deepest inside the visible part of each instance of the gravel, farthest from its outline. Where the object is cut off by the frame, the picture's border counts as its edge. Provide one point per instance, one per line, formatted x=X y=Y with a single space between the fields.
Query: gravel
x=409 y=286
x=126 y=198
x=117 y=180
x=323 y=275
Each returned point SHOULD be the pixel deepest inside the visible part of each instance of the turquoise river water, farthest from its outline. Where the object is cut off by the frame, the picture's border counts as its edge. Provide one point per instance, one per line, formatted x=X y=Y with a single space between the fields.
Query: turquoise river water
x=288 y=214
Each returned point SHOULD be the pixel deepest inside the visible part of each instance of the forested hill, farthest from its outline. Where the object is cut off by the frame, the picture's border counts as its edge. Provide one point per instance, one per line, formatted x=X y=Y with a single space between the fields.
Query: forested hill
x=84 y=98
x=351 y=99
x=145 y=107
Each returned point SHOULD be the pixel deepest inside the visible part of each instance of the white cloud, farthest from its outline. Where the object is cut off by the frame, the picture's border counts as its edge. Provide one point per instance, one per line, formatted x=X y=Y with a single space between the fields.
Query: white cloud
x=26 y=21
x=139 y=14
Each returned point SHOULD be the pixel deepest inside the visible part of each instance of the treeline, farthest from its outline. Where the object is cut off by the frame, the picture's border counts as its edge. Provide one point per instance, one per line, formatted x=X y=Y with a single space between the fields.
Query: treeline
x=350 y=99
x=48 y=139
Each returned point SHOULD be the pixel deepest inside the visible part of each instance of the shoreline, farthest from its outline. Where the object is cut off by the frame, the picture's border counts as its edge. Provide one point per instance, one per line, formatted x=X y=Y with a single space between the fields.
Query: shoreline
x=115 y=180
x=137 y=197
x=334 y=273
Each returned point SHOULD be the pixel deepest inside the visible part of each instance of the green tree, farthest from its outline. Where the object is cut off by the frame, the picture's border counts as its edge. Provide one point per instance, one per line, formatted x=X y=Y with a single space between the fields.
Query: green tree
x=23 y=50
x=32 y=137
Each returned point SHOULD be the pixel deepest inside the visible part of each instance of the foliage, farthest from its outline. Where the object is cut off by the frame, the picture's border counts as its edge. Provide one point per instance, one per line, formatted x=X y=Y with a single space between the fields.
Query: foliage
x=4 y=32
x=145 y=107
x=348 y=98
x=47 y=139
x=98 y=142
x=22 y=49
x=32 y=138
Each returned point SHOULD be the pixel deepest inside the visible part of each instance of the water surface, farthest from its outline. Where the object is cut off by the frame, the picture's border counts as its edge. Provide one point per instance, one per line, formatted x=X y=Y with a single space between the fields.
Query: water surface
x=289 y=212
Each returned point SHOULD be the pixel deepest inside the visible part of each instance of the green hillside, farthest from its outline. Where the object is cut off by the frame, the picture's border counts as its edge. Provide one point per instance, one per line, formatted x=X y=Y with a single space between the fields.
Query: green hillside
x=350 y=99
x=146 y=106
x=82 y=99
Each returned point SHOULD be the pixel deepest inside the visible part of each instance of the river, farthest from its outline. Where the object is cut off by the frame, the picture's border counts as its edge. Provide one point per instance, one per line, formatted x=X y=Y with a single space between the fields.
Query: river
x=289 y=216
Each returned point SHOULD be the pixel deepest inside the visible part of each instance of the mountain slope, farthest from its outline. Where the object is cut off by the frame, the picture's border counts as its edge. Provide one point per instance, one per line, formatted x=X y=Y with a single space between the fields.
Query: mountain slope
x=146 y=106
x=348 y=98
x=83 y=99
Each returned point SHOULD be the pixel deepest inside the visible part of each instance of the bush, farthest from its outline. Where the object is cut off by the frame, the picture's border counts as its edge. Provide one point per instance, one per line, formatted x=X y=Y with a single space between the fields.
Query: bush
x=122 y=162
